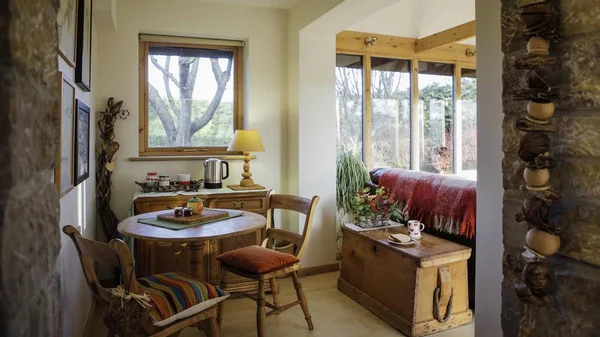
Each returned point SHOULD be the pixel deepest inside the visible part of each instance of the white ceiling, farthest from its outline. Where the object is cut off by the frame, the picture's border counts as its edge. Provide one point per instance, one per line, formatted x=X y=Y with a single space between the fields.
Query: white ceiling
x=284 y=4
x=418 y=18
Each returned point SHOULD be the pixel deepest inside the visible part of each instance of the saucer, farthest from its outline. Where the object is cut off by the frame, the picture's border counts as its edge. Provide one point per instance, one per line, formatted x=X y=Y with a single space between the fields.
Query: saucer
x=401 y=243
x=401 y=239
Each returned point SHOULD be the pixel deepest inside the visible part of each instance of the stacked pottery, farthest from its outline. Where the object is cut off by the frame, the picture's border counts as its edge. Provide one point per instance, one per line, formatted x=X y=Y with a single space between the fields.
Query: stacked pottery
x=539 y=17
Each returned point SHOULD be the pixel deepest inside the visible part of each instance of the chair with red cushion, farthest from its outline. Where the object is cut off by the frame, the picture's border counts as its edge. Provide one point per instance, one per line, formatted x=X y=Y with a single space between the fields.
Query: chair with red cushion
x=263 y=263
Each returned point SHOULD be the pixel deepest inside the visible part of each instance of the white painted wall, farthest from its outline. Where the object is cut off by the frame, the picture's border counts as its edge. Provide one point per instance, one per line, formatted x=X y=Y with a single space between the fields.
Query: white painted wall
x=78 y=208
x=418 y=18
x=265 y=32
x=489 y=171
x=312 y=170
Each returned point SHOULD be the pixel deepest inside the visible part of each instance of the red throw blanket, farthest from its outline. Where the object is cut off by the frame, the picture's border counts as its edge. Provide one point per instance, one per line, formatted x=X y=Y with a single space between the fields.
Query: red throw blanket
x=444 y=202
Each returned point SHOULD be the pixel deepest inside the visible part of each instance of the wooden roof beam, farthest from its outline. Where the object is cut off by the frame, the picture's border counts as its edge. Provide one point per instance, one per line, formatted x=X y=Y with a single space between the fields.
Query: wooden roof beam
x=446 y=37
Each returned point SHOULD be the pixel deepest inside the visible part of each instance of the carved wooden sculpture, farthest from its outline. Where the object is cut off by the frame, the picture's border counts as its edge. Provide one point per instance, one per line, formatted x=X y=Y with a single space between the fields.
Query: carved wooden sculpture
x=106 y=165
x=541 y=19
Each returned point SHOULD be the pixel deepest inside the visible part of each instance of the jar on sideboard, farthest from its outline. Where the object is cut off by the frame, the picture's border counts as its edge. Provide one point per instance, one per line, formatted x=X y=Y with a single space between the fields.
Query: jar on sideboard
x=151 y=179
x=164 y=180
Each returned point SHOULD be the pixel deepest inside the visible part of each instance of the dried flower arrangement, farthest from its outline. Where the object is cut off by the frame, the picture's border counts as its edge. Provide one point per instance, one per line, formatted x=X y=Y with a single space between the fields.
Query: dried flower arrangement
x=106 y=165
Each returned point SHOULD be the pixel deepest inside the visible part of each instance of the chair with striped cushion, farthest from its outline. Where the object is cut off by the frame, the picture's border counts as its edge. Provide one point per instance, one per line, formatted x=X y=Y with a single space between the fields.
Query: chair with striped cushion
x=263 y=263
x=178 y=301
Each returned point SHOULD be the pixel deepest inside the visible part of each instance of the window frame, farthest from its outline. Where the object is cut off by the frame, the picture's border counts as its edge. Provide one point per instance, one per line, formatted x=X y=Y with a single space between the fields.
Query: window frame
x=238 y=71
x=439 y=56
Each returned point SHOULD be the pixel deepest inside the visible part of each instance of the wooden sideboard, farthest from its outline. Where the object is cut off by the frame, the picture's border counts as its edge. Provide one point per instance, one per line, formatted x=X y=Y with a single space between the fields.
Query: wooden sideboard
x=159 y=257
x=398 y=283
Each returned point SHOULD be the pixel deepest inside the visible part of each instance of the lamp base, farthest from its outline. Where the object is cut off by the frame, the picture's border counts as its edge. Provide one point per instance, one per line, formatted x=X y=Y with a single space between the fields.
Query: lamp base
x=248 y=188
x=247 y=182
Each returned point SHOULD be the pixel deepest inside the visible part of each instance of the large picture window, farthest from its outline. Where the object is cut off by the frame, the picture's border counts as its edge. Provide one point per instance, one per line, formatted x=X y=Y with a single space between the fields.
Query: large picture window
x=390 y=126
x=412 y=114
x=190 y=95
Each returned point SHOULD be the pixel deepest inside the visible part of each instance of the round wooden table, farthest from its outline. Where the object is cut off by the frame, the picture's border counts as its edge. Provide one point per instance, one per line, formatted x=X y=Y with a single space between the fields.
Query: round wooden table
x=195 y=237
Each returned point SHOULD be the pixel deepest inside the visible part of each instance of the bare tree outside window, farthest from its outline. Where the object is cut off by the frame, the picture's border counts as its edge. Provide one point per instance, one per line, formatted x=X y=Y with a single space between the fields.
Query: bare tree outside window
x=191 y=97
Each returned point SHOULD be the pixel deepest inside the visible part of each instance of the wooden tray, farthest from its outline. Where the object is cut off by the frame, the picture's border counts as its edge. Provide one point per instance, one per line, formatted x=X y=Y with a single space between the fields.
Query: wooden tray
x=207 y=214
x=194 y=186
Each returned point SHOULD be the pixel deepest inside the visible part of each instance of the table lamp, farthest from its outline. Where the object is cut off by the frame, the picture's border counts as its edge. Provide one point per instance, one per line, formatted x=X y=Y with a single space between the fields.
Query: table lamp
x=246 y=141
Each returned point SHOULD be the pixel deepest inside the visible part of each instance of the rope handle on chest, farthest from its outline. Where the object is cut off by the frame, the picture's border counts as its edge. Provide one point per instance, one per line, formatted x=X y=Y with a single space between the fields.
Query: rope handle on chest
x=436 y=305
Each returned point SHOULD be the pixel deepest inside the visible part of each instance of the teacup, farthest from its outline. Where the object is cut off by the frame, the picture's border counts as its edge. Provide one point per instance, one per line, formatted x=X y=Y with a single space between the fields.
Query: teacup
x=414 y=229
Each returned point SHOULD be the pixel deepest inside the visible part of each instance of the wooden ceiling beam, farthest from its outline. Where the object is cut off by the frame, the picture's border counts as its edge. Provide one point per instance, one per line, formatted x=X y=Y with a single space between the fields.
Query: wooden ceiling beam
x=349 y=42
x=446 y=37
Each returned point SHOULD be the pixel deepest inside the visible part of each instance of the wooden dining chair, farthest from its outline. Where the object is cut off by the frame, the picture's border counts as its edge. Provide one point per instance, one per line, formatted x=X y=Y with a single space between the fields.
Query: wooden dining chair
x=198 y=312
x=263 y=263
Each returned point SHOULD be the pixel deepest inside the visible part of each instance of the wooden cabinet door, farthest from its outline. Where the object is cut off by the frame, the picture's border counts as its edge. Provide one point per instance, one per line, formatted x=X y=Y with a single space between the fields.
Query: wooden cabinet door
x=255 y=205
x=165 y=257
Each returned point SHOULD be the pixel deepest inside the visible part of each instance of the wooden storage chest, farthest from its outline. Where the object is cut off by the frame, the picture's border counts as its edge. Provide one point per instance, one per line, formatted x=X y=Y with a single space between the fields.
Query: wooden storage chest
x=397 y=283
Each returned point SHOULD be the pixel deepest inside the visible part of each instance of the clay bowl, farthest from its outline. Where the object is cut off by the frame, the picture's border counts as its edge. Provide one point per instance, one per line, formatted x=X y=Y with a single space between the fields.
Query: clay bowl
x=538 y=46
x=542 y=242
x=537 y=16
x=536 y=177
x=532 y=145
x=542 y=110
x=542 y=78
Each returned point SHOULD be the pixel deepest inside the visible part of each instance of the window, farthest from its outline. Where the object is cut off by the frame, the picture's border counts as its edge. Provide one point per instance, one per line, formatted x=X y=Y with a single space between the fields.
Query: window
x=349 y=102
x=436 y=117
x=416 y=114
x=390 y=119
x=191 y=102
x=468 y=95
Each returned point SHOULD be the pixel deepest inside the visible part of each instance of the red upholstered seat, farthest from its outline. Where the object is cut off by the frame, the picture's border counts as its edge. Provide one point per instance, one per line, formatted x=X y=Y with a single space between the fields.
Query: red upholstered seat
x=257 y=260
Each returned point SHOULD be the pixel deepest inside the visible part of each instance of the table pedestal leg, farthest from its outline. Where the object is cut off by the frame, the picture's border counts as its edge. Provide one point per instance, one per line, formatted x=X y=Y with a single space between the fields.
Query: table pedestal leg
x=196 y=250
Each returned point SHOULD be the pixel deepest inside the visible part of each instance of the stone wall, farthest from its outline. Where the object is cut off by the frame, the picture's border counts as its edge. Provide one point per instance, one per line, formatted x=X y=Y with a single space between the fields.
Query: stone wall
x=575 y=288
x=29 y=204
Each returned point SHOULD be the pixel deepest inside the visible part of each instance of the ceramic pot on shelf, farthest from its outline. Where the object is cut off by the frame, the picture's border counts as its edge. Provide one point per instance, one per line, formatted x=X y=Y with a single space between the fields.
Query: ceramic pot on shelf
x=536 y=177
x=538 y=46
x=542 y=242
x=541 y=110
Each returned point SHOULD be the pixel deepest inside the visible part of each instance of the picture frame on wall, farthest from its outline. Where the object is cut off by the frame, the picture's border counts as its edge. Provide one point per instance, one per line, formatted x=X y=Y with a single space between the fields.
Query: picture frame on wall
x=63 y=170
x=81 y=155
x=67 y=31
x=83 y=70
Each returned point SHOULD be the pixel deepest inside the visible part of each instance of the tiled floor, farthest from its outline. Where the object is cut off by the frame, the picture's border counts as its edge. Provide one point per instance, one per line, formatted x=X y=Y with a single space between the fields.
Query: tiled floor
x=333 y=313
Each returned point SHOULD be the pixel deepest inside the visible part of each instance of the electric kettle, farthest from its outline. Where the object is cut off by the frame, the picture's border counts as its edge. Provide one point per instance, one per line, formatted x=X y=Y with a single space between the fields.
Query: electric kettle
x=214 y=174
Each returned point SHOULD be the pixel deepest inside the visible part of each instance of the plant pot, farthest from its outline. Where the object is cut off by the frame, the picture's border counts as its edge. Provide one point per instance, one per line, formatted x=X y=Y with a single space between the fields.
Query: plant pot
x=379 y=220
x=542 y=242
x=541 y=110
x=538 y=46
x=536 y=177
x=364 y=222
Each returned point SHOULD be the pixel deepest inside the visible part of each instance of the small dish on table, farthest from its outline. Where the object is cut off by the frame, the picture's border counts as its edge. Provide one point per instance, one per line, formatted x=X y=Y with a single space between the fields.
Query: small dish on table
x=400 y=239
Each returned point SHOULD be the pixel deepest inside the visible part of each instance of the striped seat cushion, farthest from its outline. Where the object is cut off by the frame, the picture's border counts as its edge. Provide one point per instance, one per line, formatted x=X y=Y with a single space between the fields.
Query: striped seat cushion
x=176 y=296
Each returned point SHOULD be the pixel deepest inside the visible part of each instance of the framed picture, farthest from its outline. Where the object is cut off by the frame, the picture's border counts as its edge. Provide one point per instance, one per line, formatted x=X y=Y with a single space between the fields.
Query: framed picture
x=83 y=70
x=63 y=171
x=82 y=143
x=67 y=30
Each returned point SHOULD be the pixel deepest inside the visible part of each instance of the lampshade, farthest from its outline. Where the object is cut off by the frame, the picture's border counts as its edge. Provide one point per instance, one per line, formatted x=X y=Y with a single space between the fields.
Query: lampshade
x=246 y=141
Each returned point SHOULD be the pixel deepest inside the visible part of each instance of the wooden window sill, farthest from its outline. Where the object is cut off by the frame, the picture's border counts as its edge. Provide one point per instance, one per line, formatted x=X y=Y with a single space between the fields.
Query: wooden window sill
x=183 y=158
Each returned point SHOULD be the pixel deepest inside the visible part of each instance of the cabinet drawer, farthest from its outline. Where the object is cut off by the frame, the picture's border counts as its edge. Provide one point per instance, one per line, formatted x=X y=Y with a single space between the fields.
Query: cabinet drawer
x=245 y=204
x=161 y=206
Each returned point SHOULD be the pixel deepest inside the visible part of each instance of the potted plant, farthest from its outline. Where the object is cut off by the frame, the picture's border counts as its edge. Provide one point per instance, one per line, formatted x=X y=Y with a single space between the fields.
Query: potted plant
x=374 y=210
x=351 y=176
